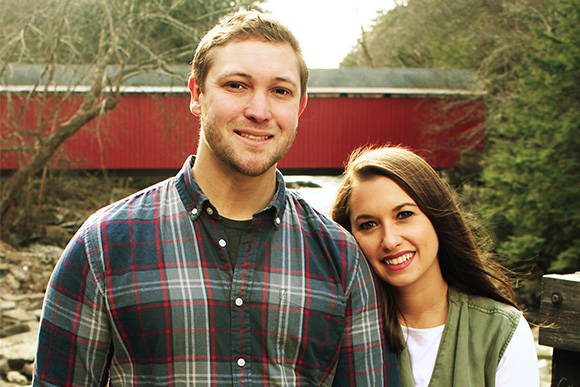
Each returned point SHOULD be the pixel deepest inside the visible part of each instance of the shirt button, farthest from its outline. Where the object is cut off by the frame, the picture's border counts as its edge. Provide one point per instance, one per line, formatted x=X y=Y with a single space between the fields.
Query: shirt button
x=222 y=243
x=209 y=211
x=241 y=362
x=277 y=220
x=239 y=301
x=194 y=211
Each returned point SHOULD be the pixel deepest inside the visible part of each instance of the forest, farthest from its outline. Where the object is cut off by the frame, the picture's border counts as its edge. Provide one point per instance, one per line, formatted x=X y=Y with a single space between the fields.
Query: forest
x=524 y=188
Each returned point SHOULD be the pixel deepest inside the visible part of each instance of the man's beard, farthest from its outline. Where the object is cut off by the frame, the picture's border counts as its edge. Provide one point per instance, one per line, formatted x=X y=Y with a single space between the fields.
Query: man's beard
x=214 y=138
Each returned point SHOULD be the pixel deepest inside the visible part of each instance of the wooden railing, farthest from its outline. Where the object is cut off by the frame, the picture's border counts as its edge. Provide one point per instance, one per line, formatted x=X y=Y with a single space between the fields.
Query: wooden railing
x=560 y=312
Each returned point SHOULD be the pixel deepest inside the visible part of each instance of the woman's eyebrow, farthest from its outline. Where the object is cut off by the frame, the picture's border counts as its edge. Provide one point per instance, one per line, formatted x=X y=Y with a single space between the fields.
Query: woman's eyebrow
x=397 y=208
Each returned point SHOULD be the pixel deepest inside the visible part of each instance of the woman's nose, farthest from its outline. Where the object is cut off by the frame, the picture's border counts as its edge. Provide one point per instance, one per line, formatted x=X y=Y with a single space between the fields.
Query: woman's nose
x=391 y=238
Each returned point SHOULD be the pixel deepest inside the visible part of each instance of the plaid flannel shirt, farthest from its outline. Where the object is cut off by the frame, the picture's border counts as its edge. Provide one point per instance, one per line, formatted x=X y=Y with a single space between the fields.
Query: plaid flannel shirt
x=144 y=294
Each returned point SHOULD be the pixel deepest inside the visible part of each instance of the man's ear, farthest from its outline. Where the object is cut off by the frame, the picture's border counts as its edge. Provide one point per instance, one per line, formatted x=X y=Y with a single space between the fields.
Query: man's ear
x=194 y=105
x=303 y=102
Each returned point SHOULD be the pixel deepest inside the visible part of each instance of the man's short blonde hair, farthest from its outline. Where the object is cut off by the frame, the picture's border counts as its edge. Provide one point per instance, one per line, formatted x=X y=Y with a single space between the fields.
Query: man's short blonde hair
x=242 y=26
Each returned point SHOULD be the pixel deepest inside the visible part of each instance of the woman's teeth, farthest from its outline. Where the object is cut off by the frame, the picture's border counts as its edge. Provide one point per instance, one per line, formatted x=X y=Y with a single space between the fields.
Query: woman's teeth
x=399 y=260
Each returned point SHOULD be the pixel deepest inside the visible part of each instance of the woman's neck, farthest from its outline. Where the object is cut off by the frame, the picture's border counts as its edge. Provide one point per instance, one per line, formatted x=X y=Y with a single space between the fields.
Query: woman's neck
x=425 y=307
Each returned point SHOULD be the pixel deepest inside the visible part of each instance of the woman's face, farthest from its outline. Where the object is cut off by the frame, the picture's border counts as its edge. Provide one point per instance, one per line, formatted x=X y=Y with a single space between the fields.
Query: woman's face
x=396 y=237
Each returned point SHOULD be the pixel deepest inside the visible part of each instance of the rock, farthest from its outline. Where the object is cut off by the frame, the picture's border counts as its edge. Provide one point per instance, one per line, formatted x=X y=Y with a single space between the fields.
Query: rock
x=11 y=282
x=4 y=267
x=23 y=234
x=35 y=303
x=16 y=377
x=301 y=184
x=72 y=225
x=11 y=257
x=6 y=305
x=38 y=249
x=19 y=314
x=4 y=247
x=57 y=235
x=30 y=297
x=16 y=364
x=20 y=273
x=28 y=369
x=4 y=367
x=22 y=345
x=14 y=330
x=50 y=215
x=47 y=254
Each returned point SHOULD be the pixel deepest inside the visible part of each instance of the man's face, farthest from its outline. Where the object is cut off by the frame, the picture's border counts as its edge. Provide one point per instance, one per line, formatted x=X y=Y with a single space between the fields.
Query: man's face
x=250 y=105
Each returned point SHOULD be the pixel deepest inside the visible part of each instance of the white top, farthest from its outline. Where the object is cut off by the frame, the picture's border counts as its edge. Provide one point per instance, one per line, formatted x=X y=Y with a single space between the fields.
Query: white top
x=517 y=367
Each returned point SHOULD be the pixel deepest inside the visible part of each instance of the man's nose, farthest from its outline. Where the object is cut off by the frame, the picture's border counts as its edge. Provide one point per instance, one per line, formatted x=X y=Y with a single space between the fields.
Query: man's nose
x=258 y=108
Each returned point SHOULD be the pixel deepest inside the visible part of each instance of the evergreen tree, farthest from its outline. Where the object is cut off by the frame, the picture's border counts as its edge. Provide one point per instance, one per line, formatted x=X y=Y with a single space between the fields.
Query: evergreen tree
x=531 y=193
x=527 y=54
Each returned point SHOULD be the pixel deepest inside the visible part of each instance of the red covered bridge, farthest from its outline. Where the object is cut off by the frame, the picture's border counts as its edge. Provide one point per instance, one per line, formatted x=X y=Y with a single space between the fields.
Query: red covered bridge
x=439 y=113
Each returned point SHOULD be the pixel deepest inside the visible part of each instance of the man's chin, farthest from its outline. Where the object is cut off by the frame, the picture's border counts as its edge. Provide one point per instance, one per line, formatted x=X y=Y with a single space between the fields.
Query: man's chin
x=254 y=167
x=253 y=170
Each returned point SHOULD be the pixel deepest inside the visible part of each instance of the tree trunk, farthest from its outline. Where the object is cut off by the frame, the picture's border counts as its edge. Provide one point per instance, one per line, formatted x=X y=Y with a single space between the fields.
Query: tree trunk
x=17 y=181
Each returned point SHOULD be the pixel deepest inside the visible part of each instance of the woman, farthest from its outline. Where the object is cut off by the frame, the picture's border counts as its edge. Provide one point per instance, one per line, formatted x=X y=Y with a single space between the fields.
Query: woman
x=450 y=311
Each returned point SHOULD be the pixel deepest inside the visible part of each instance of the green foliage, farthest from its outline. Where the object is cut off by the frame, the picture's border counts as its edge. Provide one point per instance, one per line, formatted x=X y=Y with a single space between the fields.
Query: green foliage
x=531 y=177
x=527 y=53
x=433 y=34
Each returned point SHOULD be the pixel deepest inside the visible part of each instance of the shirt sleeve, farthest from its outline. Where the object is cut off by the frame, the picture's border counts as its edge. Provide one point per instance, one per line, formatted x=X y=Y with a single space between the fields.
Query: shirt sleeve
x=519 y=363
x=363 y=358
x=74 y=335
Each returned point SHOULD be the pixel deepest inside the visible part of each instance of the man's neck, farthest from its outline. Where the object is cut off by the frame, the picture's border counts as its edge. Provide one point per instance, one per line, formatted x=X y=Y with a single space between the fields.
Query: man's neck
x=236 y=196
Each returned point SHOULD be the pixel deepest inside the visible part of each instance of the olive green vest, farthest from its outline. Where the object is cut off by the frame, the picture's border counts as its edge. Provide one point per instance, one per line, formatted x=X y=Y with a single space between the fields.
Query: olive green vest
x=477 y=332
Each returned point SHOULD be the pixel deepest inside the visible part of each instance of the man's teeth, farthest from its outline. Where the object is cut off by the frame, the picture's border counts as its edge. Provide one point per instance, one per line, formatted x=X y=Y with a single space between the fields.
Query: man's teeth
x=255 y=138
x=399 y=260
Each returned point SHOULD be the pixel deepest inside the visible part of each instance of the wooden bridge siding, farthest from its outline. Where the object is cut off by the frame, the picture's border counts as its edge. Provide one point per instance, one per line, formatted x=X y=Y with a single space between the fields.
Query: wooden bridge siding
x=156 y=131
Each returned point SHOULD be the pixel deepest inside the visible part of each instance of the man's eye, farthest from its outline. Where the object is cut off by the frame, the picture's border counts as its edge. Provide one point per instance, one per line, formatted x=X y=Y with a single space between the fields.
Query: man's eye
x=234 y=85
x=404 y=214
x=367 y=225
x=282 y=91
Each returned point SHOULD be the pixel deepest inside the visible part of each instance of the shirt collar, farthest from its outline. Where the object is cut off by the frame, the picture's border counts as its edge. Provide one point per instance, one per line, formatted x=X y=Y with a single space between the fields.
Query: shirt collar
x=195 y=200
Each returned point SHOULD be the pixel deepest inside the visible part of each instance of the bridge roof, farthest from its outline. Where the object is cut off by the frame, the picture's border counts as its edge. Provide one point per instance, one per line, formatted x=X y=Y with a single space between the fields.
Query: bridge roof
x=385 y=81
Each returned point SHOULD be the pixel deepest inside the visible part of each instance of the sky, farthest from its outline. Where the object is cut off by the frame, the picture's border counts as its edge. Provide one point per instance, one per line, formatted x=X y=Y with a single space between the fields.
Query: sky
x=326 y=29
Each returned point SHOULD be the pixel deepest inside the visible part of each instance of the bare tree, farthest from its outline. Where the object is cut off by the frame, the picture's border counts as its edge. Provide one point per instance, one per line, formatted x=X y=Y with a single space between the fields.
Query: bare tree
x=111 y=40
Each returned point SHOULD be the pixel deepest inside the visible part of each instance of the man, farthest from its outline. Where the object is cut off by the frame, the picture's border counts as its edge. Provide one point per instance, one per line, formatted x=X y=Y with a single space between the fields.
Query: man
x=219 y=276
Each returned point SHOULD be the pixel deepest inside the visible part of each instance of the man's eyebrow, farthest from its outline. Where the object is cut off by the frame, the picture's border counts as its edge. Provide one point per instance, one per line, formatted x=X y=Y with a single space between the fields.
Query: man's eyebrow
x=248 y=76
x=288 y=80
x=234 y=73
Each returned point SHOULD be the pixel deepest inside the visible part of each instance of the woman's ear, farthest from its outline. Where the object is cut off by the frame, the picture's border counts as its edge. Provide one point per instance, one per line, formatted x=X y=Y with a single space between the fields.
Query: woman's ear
x=194 y=105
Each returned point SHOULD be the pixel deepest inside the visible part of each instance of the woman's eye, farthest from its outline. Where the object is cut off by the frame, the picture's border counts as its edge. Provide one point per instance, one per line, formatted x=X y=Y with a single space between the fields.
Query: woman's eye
x=367 y=225
x=404 y=214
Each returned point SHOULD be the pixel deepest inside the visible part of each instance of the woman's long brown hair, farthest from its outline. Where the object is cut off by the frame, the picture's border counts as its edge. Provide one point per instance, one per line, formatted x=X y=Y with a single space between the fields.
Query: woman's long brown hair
x=464 y=262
